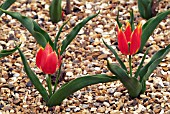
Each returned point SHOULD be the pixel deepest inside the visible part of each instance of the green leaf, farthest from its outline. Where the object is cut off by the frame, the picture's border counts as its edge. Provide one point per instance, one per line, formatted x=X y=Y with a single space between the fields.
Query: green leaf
x=55 y=10
x=117 y=20
x=40 y=35
x=58 y=35
x=145 y=8
x=131 y=83
x=146 y=71
x=34 y=79
x=131 y=21
x=77 y=84
x=141 y=63
x=149 y=27
x=116 y=56
x=143 y=87
x=74 y=32
x=4 y=53
x=6 y=5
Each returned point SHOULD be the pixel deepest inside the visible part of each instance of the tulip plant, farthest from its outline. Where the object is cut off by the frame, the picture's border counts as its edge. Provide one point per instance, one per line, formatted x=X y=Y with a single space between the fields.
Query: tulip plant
x=129 y=42
x=147 y=8
x=49 y=60
x=55 y=11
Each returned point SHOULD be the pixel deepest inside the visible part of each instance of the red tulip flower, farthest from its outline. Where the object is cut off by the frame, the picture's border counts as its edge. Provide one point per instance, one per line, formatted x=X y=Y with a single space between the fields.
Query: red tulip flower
x=129 y=41
x=47 y=60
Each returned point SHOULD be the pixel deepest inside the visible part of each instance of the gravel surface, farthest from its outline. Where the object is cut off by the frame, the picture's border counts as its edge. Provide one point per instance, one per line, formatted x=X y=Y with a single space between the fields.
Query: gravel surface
x=86 y=55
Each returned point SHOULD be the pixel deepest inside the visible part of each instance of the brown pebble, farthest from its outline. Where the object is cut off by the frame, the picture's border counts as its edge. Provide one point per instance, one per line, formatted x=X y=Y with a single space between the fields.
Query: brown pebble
x=100 y=98
x=103 y=56
x=101 y=109
x=120 y=89
x=168 y=78
x=89 y=58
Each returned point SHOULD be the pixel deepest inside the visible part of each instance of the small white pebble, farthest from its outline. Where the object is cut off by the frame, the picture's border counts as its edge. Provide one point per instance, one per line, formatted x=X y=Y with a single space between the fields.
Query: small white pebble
x=2 y=80
x=69 y=74
x=98 y=30
x=106 y=104
x=117 y=94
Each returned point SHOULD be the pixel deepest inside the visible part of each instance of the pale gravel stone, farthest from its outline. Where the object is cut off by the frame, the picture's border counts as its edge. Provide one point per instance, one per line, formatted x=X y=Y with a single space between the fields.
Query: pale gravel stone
x=2 y=80
x=98 y=30
x=88 y=11
x=16 y=75
x=97 y=68
x=111 y=90
x=97 y=104
x=100 y=98
x=69 y=74
x=101 y=109
x=115 y=112
x=117 y=94
x=93 y=109
x=68 y=109
x=77 y=109
x=85 y=105
x=88 y=5
x=106 y=104
x=16 y=95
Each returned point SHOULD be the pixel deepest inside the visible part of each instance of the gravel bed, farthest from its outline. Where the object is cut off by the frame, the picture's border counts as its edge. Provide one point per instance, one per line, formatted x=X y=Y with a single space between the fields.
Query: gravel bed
x=86 y=55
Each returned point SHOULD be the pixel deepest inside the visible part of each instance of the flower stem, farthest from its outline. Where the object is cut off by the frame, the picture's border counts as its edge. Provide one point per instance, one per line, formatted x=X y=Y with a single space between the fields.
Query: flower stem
x=130 y=65
x=48 y=80
x=57 y=78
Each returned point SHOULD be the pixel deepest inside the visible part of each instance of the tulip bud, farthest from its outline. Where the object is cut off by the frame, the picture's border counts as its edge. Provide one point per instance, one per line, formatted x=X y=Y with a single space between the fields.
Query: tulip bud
x=47 y=60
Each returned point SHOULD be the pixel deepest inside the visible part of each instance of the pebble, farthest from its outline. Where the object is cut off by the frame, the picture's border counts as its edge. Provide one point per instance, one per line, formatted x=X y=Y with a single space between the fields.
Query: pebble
x=106 y=104
x=140 y=108
x=101 y=109
x=16 y=75
x=97 y=104
x=1 y=106
x=97 y=68
x=98 y=30
x=16 y=95
x=2 y=80
x=111 y=90
x=10 y=85
x=168 y=78
x=29 y=84
x=88 y=11
x=103 y=56
x=72 y=22
x=100 y=98
x=88 y=6
x=77 y=109
x=93 y=109
x=115 y=112
x=70 y=74
x=85 y=105
x=117 y=94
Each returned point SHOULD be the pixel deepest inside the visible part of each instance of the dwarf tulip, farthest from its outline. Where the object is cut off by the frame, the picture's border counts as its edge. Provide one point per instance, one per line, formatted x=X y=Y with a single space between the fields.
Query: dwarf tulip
x=47 y=60
x=129 y=41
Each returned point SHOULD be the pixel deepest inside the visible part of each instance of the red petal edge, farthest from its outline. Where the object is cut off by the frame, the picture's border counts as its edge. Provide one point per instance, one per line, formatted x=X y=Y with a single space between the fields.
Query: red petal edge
x=122 y=42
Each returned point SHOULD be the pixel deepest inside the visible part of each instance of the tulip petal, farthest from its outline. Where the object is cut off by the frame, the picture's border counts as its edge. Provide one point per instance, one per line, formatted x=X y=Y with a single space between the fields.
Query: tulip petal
x=122 y=42
x=135 y=40
x=39 y=57
x=128 y=31
x=50 y=64
x=48 y=48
